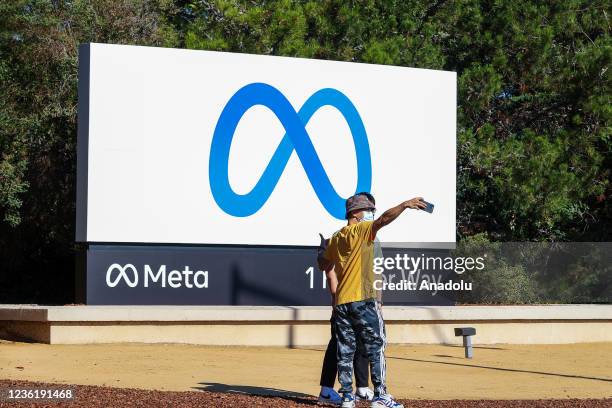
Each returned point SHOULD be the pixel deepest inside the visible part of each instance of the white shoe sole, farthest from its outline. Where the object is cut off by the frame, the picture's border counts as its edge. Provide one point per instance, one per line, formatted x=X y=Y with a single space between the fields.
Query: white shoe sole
x=375 y=405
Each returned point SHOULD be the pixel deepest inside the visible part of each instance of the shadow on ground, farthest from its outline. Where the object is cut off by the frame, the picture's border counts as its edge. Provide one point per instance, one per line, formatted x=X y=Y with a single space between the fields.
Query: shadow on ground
x=260 y=391
x=514 y=370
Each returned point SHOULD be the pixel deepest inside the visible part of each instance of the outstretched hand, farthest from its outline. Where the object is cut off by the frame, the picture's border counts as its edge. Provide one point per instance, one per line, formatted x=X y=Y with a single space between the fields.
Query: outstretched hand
x=416 y=203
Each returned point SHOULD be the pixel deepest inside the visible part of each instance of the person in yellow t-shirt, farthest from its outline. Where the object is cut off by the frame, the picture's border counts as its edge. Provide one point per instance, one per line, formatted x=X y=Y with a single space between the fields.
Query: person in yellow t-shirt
x=329 y=370
x=357 y=312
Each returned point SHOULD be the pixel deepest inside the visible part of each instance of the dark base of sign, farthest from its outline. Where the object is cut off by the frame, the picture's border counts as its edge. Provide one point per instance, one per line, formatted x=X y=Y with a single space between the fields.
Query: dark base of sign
x=212 y=275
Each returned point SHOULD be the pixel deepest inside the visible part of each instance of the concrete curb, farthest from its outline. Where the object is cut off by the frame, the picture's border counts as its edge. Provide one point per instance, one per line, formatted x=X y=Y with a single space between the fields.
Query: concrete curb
x=300 y=325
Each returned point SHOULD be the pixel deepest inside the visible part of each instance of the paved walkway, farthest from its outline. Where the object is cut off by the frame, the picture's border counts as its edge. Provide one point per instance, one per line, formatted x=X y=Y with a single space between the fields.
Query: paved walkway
x=415 y=372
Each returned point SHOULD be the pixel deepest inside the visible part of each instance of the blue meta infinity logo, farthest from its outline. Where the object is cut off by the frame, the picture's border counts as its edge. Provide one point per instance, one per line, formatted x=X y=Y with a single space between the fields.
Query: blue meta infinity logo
x=296 y=138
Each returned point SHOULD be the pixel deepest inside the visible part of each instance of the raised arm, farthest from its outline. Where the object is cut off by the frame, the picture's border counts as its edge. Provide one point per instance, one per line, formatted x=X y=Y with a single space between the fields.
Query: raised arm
x=392 y=213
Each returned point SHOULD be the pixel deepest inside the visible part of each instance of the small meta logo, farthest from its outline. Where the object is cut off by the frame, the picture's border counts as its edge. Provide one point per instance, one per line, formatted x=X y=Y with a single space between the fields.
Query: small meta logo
x=296 y=138
x=122 y=275
x=128 y=274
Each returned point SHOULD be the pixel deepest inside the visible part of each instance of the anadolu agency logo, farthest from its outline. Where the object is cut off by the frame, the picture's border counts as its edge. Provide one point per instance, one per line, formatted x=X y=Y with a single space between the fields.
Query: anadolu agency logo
x=128 y=275
x=296 y=138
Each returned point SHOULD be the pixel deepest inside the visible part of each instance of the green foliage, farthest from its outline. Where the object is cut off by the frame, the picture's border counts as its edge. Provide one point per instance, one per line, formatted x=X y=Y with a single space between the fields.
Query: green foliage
x=534 y=142
x=537 y=272
x=38 y=72
x=533 y=131
x=501 y=281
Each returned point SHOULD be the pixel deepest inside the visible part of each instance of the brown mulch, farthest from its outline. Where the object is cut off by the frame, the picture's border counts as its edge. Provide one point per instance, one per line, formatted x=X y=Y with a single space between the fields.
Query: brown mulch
x=104 y=397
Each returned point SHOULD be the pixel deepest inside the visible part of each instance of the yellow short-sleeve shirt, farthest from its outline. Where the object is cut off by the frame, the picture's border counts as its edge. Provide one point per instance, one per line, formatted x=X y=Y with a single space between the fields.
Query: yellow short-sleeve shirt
x=351 y=250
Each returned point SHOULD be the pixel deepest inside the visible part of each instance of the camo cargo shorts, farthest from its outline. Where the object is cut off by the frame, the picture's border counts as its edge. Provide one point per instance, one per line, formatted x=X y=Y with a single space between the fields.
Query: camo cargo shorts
x=360 y=322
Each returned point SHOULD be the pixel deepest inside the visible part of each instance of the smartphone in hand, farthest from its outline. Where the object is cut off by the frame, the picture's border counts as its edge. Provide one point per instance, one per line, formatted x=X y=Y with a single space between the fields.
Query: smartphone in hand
x=429 y=208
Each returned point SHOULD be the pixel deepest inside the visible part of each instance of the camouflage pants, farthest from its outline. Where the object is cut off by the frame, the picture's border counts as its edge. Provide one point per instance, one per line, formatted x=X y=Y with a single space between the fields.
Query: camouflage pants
x=360 y=322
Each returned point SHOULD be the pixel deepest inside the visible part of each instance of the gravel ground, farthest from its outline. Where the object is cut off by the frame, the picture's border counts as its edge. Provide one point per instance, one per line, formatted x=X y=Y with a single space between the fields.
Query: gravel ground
x=104 y=397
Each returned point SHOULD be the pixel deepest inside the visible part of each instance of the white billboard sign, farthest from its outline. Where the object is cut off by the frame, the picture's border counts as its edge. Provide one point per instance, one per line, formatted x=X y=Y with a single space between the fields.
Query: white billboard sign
x=197 y=147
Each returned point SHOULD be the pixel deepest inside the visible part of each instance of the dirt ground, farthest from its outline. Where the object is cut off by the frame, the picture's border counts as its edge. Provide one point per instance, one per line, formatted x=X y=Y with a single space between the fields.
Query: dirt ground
x=415 y=372
x=88 y=396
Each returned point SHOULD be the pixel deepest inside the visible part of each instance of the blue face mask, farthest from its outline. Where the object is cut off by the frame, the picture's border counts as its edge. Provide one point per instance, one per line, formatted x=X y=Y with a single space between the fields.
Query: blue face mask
x=368 y=216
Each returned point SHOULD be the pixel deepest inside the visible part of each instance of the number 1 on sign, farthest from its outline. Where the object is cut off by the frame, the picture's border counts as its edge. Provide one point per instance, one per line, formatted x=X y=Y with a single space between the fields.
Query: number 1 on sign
x=311 y=276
